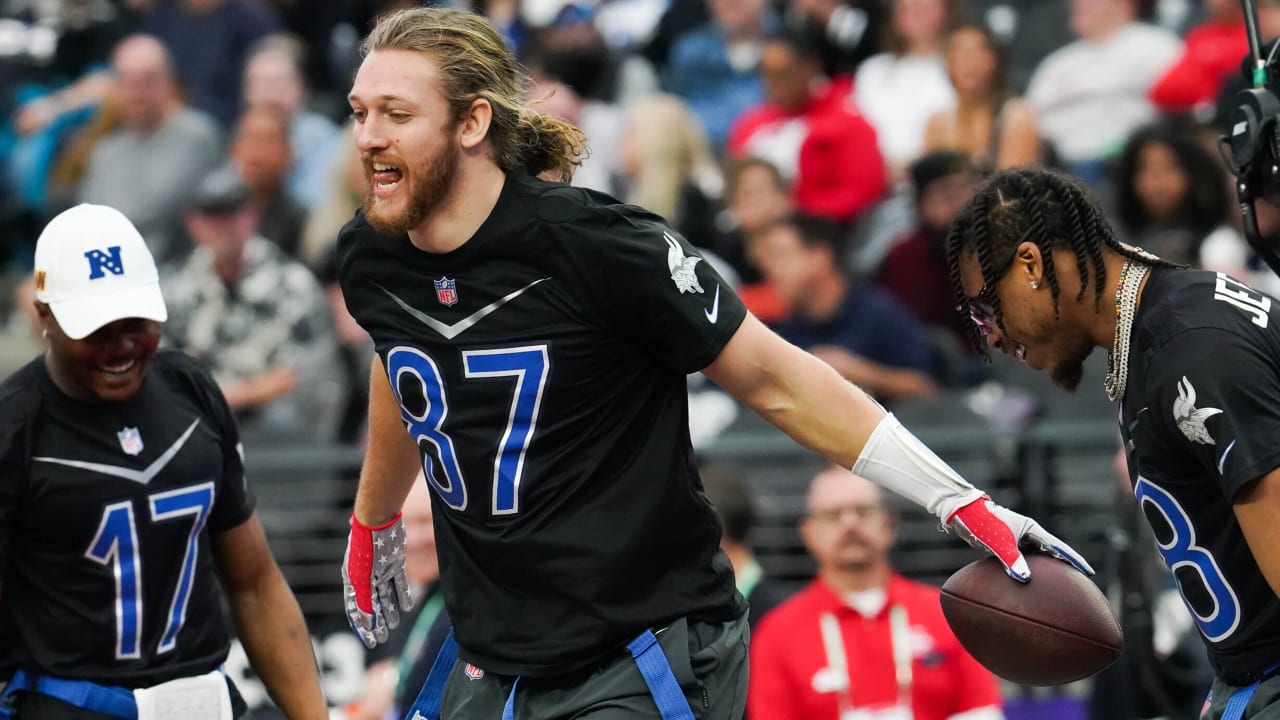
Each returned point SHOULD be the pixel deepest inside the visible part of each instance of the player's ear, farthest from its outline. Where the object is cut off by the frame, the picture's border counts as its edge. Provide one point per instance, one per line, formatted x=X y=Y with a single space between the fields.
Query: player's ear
x=475 y=123
x=1029 y=264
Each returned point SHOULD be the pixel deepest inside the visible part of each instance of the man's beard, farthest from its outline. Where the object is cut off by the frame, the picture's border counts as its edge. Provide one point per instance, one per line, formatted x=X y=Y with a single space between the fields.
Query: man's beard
x=1068 y=373
x=431 y=182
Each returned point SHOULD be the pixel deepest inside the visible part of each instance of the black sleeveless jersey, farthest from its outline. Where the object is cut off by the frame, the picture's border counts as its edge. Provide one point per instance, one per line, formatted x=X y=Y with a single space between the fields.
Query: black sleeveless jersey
x=1201 y=419
x=106 y=514
x=541 y=367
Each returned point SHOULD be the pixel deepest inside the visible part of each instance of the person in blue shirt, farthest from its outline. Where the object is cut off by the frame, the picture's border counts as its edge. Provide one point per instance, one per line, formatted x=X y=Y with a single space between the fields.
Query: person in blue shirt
x=860 y=330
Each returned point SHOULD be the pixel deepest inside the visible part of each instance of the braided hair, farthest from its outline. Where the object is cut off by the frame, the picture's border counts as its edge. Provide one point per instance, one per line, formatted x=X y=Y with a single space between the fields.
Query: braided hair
x=1048 y=208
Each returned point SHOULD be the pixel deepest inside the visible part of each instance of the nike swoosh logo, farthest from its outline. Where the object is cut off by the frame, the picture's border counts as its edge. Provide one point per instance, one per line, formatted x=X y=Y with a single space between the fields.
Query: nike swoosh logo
x=450 y=332
x=714 y=312
x=142 y=477
x=1223 y=460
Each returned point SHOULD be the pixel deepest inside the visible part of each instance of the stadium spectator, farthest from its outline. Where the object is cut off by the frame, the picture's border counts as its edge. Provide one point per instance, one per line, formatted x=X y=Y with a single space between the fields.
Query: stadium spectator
x=571 y=47
x=260 y=153
x=1171 y=194
x=915 y=269
x=857 y=328
x=713 y=67
x=861 y=640
x=257 y=318
x=756 y=197
x=996 y=129
x=149 y=165
x=345 y=189
x=125 y=518
x=209 y=41
x=899 y=89
x=273 y=77
x=669 y=169
x=1084 y=105
x=604 y=123
x=850 y=30
x=1210 y=56
x=1030 y=29
x=824 y=149
x=53 y=67
x=736 y=507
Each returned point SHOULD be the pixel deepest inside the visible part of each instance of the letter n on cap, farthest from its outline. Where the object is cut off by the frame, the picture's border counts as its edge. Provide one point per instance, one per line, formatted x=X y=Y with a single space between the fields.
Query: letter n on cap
x=108 y=261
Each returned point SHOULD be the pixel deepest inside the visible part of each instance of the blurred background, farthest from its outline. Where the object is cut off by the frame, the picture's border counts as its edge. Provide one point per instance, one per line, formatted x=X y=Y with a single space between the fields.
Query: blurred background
x=220 y=128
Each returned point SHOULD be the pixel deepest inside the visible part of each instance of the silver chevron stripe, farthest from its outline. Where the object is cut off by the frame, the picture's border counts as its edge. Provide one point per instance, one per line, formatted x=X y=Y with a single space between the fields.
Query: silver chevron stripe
x=452 y=331
x=141 y=477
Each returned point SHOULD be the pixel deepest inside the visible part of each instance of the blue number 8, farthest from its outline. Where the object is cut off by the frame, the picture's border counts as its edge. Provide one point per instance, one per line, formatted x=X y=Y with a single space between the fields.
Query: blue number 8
x=1181 y=551
x=416 y=381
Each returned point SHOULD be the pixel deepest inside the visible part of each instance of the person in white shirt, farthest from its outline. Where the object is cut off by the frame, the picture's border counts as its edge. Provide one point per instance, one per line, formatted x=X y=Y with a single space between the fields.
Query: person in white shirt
x=899 y=90
x=1090 y=95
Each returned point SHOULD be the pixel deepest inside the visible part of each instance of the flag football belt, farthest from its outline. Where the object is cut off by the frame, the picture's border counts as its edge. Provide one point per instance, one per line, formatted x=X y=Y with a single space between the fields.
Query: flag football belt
x=1239 y=699
x=104 y=699
x=644 y=649
x=203 y=697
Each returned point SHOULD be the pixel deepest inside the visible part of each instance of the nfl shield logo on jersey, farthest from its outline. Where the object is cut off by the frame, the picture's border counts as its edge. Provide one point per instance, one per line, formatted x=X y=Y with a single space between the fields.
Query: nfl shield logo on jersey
x=130 y=440
x=473 y=672
x=447 y=291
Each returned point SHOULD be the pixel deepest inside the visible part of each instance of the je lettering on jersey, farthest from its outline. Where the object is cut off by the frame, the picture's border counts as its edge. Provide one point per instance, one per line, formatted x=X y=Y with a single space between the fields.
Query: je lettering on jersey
x=681 y=267
x=1189 y=418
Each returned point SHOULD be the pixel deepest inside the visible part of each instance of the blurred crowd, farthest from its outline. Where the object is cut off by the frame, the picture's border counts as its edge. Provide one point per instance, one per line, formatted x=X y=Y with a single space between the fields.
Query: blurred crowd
x=815 y=150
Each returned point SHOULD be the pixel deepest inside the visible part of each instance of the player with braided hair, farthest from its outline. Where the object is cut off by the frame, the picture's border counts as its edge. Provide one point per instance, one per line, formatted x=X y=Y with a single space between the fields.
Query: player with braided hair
x=1193 y=360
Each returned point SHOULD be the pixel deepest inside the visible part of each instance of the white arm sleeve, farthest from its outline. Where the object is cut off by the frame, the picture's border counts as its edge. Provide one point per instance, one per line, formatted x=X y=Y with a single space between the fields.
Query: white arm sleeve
x=895 y=459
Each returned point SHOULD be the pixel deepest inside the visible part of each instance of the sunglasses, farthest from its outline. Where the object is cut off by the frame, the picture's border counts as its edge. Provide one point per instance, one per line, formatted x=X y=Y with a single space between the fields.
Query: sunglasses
x=982 y=307
x=982 y=312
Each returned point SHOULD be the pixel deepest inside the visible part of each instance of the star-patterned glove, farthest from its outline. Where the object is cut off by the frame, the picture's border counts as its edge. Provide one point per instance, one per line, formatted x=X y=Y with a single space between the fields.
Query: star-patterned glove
x=999 y=530
x=374 y=583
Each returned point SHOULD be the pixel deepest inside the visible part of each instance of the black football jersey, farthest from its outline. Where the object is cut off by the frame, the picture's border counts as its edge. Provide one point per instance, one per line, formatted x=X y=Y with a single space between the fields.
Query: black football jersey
x=106 y=514
x=1201 y=419
x=541 y=367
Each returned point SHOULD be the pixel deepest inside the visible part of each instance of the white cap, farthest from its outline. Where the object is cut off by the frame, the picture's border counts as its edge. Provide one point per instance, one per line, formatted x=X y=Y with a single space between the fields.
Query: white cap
x=93 y=268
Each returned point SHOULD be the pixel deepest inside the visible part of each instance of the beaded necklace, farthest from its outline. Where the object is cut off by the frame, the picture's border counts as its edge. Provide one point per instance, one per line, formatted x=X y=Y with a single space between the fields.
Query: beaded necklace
x=1126 y=309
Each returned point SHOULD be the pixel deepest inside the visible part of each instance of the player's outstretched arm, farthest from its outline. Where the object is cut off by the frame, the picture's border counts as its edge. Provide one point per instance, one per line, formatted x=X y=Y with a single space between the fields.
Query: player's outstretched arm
x=811 y=402
x=375 y=586
x=269 y=622
x=1257 y=508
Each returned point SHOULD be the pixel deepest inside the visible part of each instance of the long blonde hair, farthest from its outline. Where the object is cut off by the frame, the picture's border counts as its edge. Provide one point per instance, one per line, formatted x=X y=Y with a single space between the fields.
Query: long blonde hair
x=670 y=150
x=475 y=62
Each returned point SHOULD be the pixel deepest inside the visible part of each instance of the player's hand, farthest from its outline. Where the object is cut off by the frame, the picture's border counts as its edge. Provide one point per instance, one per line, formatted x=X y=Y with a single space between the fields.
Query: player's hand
x=374 y=583
x=999 y=530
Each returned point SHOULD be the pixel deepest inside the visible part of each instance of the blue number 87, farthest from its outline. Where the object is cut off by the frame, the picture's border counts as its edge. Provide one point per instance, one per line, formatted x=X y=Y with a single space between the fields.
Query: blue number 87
x=418 y=387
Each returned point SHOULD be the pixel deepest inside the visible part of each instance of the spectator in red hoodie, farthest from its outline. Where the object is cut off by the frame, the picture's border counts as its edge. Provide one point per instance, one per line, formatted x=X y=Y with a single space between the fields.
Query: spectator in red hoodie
x=820 y=144
x=1211 y=53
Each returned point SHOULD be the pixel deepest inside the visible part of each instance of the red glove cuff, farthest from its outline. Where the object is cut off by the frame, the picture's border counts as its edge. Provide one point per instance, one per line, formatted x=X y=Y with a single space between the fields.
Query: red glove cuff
x=360 y=561
x=355 y=522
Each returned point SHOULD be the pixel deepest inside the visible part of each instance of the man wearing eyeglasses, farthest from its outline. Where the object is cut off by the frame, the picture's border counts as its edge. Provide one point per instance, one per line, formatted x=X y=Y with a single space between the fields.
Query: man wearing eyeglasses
x=861 y=642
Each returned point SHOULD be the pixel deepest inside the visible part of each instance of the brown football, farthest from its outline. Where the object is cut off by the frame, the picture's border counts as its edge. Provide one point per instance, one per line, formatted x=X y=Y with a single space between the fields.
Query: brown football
x=1055 y=629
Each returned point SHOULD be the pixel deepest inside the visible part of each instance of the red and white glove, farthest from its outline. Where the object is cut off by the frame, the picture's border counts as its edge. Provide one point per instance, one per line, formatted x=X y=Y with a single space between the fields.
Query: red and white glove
x=896 y=459
x=374 y=583
x=988 y=526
